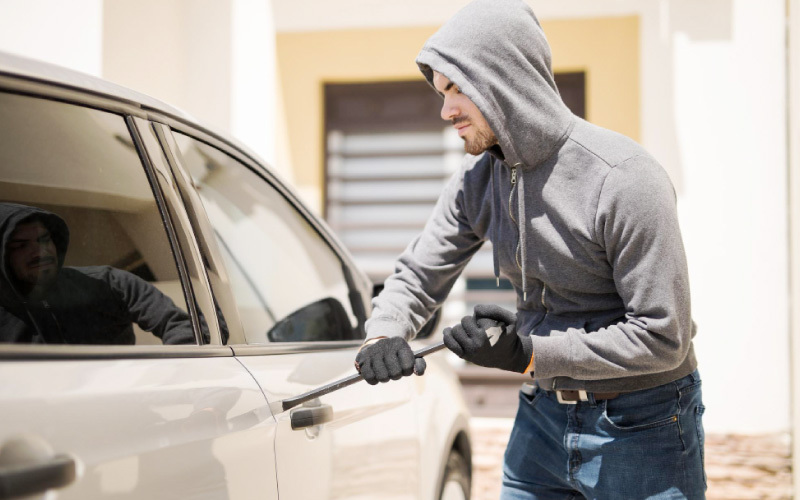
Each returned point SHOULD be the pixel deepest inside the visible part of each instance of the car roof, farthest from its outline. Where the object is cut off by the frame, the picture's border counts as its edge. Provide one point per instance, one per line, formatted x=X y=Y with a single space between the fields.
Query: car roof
x=30 y=69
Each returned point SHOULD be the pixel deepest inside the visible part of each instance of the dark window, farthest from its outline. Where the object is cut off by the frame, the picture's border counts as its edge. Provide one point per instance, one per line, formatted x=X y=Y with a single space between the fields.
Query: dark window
x=388 y=155
x=76 y=173
x=572 y=87
x=386 y=107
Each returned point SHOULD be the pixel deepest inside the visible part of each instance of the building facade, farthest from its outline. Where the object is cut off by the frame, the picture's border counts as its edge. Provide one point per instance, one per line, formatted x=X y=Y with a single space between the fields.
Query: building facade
x=710 y=87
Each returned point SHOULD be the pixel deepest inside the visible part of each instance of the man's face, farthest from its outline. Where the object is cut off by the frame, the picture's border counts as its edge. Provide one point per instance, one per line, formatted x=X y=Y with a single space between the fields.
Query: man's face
x=32 y=256
x=458 y=109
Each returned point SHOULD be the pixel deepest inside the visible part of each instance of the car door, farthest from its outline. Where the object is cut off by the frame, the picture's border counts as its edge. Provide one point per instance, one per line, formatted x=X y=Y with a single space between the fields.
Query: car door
x=296 y=322
x=101 y=407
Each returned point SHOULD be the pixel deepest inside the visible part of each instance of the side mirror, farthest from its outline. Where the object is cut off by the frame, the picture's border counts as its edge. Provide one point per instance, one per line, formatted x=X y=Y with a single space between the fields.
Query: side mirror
x=323 y=320
x=428 y=328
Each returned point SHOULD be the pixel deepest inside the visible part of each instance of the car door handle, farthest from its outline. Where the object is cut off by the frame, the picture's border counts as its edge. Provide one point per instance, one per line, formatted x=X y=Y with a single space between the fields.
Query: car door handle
x=309 y=416
x=22 y=480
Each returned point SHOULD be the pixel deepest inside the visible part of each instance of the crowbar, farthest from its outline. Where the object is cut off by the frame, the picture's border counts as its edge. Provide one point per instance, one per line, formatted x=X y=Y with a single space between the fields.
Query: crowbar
x=493 y=332
x=289 y=403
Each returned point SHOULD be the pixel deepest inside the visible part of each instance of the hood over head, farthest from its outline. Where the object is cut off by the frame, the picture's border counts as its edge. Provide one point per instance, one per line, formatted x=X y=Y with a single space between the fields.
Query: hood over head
x=497 y=54
x=13 y=214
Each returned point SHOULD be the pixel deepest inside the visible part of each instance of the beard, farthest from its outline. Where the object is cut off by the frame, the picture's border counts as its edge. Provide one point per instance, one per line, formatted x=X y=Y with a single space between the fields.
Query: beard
x=484 y=139
x=35 y=283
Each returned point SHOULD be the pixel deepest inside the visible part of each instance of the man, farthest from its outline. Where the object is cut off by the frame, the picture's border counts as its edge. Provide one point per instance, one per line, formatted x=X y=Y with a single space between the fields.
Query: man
x=41 y=301
x=583 y=223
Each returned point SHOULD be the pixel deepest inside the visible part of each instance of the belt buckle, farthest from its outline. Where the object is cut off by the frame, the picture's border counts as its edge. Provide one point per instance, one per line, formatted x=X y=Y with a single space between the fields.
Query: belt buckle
x=582 y=396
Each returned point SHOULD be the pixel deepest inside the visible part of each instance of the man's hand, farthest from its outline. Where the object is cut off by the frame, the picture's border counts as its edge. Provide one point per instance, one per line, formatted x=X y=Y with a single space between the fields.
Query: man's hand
x=388 y=359
x=470 y=340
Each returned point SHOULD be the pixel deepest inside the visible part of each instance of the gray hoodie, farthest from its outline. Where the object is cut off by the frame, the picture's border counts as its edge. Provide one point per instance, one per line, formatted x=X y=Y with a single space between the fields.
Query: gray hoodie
x=582 y=220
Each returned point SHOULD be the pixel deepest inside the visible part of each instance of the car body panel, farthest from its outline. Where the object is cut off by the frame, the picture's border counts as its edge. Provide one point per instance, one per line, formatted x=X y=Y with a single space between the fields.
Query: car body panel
x=162 y=428
x=370 y=444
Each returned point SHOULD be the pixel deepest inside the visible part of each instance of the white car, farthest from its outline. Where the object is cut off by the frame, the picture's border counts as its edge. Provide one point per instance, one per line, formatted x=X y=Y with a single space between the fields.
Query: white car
x=175 y=228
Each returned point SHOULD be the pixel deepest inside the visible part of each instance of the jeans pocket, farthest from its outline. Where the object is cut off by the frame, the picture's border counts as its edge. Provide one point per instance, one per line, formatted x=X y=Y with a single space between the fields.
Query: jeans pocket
x=631 y=413
x=531 y=399
x=694 y=387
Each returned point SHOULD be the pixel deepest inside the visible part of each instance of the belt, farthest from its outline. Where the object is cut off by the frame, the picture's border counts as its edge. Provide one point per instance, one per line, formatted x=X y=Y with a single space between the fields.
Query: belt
x=572 y=397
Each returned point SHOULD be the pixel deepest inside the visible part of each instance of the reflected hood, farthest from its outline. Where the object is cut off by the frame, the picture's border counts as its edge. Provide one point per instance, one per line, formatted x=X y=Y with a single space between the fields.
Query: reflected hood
x=11 y=215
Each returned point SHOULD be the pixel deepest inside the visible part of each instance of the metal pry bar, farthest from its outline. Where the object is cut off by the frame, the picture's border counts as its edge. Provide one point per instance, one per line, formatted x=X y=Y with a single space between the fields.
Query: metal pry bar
x=290 y=403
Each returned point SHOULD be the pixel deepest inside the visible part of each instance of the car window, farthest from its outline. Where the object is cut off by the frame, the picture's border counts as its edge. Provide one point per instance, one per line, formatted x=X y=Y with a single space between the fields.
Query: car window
x=288 y=284
x=86 y=258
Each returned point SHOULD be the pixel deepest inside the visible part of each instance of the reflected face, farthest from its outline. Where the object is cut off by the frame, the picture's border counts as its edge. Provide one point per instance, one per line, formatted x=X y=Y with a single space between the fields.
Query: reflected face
x=468 y=121
x=32 y=257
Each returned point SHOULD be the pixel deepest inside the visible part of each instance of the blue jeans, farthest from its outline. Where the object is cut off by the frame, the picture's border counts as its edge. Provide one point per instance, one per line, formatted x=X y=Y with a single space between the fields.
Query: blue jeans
x=646 y=444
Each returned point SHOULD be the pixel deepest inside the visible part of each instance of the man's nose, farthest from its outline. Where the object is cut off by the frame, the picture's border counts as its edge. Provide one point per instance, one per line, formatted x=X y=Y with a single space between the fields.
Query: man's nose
x=44 y=248
x=449 y=111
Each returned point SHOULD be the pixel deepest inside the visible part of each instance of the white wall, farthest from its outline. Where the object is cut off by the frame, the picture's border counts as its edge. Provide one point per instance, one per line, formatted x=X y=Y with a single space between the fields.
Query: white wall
x=64 y=33
x=177 y=51
x=253 y=81
x=714 y=110
x=794 y=162
x=214 y=59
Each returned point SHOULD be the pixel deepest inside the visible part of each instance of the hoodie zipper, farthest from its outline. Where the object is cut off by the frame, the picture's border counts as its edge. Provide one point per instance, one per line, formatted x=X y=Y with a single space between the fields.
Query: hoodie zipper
x=511 y=194
x=36 y=326
x=511 y=214
x=55 y=320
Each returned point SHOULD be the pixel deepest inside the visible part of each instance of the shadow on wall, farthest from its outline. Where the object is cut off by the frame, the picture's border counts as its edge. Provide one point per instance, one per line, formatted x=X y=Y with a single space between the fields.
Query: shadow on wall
x=698 y=21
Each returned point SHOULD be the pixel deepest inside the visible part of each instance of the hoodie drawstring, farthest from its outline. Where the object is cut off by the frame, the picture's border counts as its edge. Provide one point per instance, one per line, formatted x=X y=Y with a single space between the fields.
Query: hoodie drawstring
x=522 y=220
x=495 y=259
x=35 y=324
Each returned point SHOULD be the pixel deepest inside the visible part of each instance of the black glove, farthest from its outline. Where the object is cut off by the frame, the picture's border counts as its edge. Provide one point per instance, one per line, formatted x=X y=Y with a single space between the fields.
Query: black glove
x=470 y=340
x=388 y=359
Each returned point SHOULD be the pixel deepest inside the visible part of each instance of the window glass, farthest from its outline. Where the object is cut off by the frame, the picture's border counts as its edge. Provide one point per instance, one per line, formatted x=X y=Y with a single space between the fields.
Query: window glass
x=86 y=259
x=289 y=285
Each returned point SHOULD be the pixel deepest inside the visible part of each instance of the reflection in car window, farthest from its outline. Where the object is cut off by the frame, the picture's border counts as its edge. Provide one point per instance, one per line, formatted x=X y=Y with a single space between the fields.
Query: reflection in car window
x=288 y=283
x=85 y=256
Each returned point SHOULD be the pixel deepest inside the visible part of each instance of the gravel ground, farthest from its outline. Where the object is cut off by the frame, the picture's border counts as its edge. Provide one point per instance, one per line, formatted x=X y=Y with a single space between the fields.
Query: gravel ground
x=738 y=467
